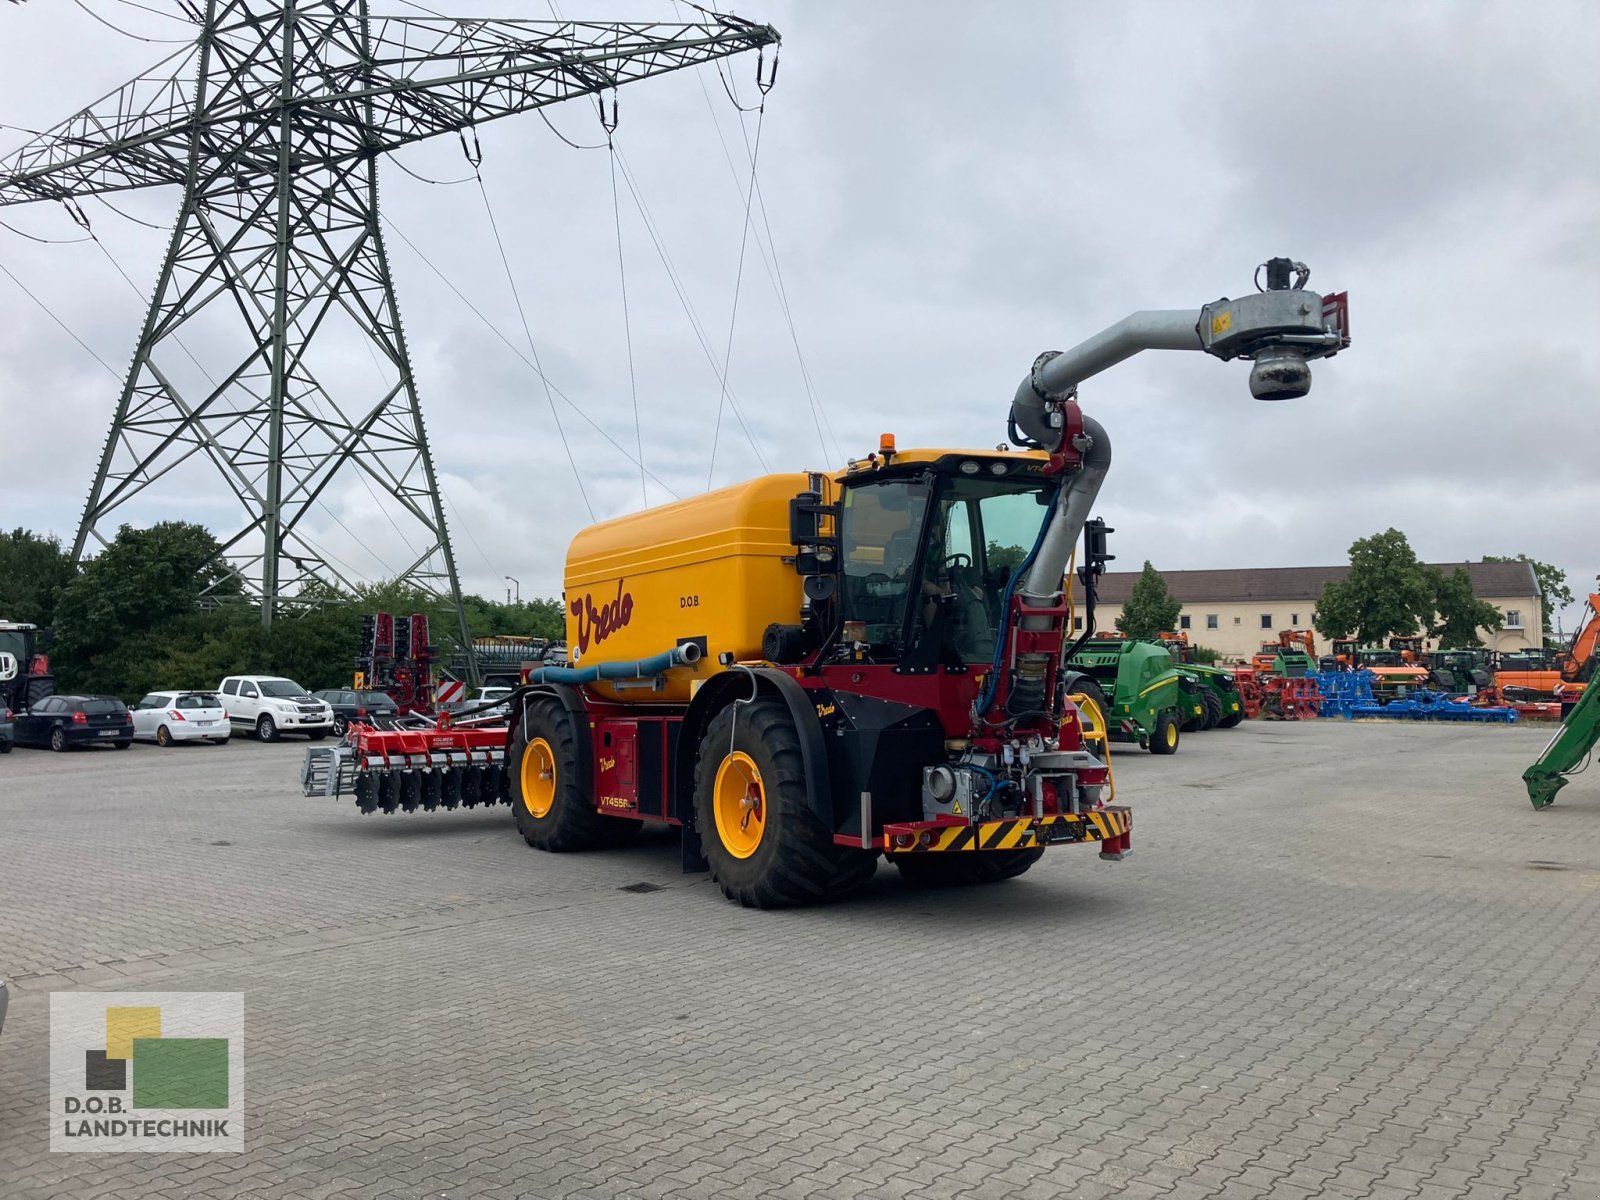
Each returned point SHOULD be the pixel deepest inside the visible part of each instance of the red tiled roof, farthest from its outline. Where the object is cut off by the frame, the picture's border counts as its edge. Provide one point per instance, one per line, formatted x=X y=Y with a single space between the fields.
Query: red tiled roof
x=1237 y=584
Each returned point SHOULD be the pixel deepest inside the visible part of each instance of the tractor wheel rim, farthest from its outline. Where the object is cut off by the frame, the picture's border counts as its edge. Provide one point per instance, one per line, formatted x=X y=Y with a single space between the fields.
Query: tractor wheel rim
x=740 y=804
x=1172 y=735
x=539 y=778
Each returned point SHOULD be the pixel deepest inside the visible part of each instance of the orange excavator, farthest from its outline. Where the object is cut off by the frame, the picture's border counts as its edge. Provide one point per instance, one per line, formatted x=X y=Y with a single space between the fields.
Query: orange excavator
x=1559 y=675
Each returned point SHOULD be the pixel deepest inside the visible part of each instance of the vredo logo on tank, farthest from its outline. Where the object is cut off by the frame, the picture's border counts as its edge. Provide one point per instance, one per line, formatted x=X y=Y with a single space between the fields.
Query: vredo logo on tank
x=147 y=1071
x=597 y=622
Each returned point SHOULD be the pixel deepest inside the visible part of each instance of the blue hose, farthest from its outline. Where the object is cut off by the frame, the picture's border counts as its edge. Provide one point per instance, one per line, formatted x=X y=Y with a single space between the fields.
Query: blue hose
x=634 y=668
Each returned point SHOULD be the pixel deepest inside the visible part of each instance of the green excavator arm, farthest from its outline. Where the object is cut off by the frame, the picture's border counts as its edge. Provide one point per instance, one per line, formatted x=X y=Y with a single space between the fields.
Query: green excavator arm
x=1569 y=747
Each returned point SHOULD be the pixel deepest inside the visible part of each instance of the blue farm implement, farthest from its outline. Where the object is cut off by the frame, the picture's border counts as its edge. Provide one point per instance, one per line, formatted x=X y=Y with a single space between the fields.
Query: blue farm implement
x=1434 y=706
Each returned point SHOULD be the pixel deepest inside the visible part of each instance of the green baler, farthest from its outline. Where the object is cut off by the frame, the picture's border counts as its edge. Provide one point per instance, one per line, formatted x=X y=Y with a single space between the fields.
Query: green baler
x=1142 y=692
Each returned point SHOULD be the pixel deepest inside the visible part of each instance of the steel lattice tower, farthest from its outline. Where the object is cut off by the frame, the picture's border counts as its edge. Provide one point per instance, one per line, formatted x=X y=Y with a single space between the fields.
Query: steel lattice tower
x=245 y=357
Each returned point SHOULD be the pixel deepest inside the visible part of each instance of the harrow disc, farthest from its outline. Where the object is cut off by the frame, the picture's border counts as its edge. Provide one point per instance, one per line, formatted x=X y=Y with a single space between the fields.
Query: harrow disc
x=432 y=789
x=366 y=792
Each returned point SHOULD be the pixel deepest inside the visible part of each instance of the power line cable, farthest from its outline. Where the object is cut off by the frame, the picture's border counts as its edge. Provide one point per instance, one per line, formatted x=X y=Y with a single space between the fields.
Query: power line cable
x=44 y=241
x=125 y=33
x=627 y=326
x=527 y=332
x=510 y=345
x=425 y=179
x=679 y=287
x=819 y=415
x=158 y=12
x=130 y=217
x=65 y=327
x=733 y=313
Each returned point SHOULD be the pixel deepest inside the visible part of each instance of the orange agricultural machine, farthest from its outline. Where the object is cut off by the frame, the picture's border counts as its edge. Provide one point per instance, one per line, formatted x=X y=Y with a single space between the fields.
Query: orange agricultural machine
x=1294 y=653
x=1547 y=674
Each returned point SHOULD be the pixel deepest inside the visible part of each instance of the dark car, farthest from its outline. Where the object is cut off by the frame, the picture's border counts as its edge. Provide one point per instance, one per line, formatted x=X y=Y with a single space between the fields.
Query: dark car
x=62 y=722
x=356 y=706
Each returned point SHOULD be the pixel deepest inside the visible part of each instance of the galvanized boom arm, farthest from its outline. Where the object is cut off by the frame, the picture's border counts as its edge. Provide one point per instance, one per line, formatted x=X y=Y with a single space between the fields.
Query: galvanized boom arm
x=1281 y=328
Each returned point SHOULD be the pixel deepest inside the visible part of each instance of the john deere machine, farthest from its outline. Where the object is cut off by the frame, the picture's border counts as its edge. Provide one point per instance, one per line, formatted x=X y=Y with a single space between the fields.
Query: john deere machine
x=1218 y=686
x=1139 y=689
x=810 y=670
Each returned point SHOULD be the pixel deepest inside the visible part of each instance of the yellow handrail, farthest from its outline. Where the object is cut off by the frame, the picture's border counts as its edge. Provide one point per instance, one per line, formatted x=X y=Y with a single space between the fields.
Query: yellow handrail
x=1095 y=731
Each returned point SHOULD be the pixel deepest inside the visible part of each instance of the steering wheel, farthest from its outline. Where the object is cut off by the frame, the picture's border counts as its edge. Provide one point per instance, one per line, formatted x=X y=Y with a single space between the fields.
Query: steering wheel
x=957 y=562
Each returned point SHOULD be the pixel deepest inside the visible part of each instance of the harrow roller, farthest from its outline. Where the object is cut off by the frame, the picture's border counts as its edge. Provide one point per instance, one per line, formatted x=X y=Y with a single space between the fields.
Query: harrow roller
x=402 y=770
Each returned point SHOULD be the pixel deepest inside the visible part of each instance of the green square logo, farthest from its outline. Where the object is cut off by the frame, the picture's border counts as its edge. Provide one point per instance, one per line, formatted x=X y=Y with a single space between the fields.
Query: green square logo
x=180 y=1072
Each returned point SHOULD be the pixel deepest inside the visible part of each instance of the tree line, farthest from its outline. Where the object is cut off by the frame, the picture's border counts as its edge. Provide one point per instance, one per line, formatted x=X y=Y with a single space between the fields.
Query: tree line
x=1388 y=592
x=159 y=608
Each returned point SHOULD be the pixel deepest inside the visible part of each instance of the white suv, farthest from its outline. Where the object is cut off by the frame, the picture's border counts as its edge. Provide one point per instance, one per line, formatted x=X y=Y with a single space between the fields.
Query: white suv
x=270 y=705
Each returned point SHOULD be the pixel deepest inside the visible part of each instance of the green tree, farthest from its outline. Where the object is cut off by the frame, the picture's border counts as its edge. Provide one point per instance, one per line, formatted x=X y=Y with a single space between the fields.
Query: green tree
x=1387 y=592
x=120 y=608
x=1460 y=612
x=1552 y=583
x=1150 y=608
x=33 y=571
x=1004 y=558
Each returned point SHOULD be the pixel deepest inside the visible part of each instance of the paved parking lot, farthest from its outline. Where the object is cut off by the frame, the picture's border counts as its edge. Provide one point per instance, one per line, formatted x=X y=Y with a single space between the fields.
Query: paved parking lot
x=1343 y=961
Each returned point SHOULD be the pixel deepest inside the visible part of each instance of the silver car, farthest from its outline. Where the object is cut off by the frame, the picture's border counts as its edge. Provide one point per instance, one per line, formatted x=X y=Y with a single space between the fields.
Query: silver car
x=168 y=717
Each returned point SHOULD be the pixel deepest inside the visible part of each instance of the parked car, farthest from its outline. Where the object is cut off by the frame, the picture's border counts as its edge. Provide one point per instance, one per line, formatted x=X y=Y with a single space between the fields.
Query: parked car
x=488 y=696
x=351 y=705
x=7 y=737
x=62 y=722
x=270 y=705
x=168 y=717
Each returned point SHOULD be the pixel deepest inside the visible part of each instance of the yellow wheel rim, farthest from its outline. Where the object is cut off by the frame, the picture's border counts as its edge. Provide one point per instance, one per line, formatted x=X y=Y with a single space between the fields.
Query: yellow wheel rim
x=1172 y=735
x=538 y=777
x=740 y=804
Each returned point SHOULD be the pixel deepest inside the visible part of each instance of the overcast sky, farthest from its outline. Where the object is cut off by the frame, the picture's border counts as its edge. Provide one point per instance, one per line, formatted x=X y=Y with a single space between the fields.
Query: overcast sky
x=951 y=189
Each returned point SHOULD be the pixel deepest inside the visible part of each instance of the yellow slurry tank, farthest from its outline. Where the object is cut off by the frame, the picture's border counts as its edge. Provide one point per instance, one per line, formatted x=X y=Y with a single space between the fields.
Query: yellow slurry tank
x=708 y=569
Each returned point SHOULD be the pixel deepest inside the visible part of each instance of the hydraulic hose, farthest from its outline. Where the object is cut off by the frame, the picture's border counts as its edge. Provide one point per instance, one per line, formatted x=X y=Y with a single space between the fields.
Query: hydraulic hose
x=686 y=654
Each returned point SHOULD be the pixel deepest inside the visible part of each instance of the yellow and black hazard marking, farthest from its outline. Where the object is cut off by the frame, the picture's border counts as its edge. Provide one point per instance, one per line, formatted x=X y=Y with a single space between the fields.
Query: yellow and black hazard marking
x=1012 y=833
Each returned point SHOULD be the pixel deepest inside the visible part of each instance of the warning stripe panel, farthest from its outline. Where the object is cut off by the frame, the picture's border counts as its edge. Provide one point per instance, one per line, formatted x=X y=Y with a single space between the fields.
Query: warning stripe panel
x=1013 y=833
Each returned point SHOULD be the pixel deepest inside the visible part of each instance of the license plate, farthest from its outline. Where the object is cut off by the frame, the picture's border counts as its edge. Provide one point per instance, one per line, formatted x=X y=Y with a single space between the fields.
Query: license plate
x=109 y=732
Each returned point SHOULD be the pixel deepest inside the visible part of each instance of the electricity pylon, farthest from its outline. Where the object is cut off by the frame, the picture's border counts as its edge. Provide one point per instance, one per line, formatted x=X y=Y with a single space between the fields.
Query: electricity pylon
x=246 y=359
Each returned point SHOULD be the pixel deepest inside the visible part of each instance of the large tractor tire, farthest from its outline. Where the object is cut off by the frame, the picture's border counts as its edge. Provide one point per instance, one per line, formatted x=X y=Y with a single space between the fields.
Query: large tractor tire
x=1232 y=719
x=550 y=794
x=1091 y=689
x=1213 y=710
x=1164 y=740
x=964 y=868
x=765 y=846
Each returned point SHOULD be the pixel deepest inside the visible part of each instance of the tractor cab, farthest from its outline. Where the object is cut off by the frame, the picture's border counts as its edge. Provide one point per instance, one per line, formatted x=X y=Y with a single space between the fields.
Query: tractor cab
x=24 y=670
x=930 y=551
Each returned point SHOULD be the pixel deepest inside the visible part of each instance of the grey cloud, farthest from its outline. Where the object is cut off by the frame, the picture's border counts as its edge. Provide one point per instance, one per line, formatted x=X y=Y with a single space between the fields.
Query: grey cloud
x=950 y=193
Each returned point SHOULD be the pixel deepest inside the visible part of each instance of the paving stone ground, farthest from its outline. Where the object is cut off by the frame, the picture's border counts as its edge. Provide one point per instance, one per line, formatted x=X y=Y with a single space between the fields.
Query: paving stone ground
x=1343 y=961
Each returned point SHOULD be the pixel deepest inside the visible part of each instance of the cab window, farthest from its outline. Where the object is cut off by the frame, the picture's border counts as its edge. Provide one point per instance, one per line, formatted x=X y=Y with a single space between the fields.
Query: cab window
x=880 y=526
x=983 y=531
